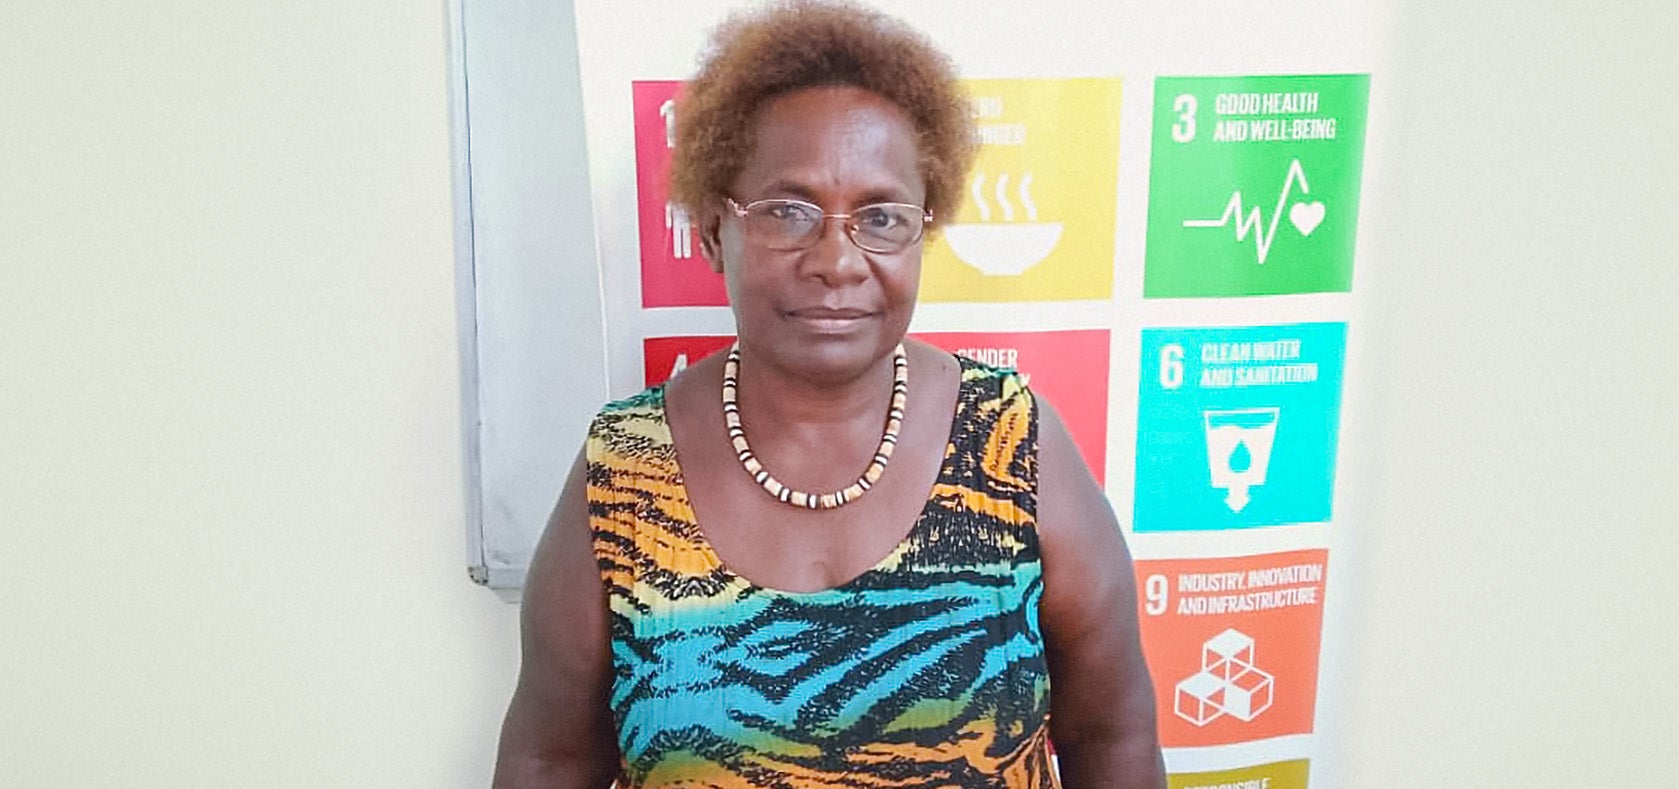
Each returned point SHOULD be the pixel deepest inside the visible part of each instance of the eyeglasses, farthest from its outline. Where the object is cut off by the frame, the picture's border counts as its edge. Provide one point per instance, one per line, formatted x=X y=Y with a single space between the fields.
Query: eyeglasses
x=791 y=225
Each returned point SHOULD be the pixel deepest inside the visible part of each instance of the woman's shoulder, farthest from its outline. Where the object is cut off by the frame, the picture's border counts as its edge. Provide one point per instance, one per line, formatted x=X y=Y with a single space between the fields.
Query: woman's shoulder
x=647 y=400
x=628 y=425
x=645 y=418
x=647 y=404
x=994 y=386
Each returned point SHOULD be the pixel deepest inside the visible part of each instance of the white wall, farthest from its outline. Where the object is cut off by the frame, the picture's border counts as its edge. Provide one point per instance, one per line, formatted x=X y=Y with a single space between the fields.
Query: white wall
x=229 y=441
x=229 y=454
x=1519 y=582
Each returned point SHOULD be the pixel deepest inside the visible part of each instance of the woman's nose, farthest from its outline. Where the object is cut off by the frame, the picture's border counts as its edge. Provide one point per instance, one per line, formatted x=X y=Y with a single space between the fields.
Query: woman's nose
x=834 y=257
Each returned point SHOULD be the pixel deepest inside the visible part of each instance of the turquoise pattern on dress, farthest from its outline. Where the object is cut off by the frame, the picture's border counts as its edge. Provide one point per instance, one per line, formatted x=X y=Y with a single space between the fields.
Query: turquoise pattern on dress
x=927 y=670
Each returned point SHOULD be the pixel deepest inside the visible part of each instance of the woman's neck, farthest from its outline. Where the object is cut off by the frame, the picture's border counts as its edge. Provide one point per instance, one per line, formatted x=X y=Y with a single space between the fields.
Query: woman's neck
x=775 y=397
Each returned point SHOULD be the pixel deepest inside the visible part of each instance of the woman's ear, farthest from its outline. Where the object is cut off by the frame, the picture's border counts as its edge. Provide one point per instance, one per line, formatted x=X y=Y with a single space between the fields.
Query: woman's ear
x=710 y=229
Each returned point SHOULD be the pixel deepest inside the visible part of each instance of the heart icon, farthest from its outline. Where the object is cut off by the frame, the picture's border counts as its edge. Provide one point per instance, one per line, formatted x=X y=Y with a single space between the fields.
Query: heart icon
x=1306 y=216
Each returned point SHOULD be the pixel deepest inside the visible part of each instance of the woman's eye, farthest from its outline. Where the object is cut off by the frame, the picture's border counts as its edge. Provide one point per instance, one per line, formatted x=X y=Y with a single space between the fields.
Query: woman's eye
x=789 y=213
x=877 y=218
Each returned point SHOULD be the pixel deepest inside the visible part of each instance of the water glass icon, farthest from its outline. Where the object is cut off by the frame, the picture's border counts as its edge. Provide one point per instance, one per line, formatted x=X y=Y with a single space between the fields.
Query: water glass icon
x=1239 y=450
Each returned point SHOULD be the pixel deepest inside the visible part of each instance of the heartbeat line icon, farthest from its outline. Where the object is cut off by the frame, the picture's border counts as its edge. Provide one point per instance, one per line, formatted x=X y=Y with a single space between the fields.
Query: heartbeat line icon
x=1304 y=216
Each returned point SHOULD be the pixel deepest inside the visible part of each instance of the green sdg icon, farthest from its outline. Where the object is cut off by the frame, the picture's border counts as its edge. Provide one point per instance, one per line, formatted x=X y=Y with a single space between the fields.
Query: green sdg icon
x=1254 y=185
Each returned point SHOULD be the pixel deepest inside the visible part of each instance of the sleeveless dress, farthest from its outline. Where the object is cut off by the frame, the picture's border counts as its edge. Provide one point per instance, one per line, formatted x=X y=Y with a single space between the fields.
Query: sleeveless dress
x=927 y=670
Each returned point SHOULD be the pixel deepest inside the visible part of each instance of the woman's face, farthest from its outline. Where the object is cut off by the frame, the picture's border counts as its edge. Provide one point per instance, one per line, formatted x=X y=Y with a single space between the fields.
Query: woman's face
x=829 y=311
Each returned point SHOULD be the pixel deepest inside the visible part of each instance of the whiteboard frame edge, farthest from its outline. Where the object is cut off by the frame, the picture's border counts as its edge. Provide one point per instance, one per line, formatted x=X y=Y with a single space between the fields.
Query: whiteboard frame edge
x=466 y=292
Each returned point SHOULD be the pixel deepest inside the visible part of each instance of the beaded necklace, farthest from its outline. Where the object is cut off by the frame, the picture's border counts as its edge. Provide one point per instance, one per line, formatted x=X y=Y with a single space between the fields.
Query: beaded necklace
x=799 y=498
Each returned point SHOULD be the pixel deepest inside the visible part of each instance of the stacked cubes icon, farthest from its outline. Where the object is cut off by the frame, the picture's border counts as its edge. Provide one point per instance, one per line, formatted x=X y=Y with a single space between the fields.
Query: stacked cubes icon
x=1227 y=684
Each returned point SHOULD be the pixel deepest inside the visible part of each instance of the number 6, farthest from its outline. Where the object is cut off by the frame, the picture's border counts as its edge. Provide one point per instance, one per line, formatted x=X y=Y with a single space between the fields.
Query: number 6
x=1171 y=366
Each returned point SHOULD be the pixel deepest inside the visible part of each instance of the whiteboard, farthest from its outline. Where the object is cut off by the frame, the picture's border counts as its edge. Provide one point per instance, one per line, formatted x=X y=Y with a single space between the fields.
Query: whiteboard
x=531 y=340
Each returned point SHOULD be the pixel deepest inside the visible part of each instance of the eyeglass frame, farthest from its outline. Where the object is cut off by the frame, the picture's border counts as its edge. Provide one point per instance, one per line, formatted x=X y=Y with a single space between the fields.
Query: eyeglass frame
x=851 y=229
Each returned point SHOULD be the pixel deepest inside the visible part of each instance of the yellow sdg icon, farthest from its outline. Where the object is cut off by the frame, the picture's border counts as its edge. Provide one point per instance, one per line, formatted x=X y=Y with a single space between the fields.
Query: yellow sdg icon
x=1005 y=247
x=1037 y=223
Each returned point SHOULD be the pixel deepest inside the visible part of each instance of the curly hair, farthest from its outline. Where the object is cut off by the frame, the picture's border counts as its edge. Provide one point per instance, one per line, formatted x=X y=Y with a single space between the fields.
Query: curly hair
x=759 y=55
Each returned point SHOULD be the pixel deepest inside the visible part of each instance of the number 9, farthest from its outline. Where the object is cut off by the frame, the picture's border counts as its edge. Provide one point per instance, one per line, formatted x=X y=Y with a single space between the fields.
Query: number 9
x=1156 y=590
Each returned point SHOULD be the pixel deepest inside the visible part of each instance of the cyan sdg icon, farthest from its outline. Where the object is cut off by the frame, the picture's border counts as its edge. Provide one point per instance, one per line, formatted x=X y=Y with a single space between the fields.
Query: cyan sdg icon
x=1239 y=444
x=1237 y=426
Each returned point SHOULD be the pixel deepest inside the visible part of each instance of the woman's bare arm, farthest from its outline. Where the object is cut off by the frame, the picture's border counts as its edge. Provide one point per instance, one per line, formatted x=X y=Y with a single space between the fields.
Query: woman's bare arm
x=558 y=731
x=1102 y=715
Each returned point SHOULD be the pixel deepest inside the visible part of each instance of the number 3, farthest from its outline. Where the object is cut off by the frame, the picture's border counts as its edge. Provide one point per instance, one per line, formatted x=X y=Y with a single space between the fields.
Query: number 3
x=1184 y=129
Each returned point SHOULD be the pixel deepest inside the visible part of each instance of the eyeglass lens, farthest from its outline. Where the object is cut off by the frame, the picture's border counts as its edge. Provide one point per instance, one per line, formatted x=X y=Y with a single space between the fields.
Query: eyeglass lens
x=790 y=224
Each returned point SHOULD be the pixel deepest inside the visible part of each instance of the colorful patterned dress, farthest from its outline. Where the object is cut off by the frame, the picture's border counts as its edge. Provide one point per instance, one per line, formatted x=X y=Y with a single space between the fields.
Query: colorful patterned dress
x=927 y=670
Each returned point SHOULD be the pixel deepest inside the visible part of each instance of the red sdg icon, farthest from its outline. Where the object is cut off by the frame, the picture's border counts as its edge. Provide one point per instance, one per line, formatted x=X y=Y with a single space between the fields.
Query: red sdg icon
x=673 y=272
x=663 y=357
x=1068 y=368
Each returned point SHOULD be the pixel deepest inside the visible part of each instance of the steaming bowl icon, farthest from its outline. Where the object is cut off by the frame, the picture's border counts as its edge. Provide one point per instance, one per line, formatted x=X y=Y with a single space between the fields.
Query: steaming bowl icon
x=1003 y=250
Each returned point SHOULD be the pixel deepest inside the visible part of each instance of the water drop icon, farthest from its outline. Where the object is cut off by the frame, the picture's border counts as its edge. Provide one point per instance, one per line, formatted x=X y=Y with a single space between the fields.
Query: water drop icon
x=1239 y=445
x=1240 y=458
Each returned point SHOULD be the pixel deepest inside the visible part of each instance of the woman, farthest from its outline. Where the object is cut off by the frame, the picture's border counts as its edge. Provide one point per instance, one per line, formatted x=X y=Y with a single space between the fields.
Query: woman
x=710 y=605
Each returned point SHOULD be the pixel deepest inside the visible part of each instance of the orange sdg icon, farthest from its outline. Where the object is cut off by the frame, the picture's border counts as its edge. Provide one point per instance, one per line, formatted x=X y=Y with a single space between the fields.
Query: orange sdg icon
x=1233 y=644
x=1038 y=221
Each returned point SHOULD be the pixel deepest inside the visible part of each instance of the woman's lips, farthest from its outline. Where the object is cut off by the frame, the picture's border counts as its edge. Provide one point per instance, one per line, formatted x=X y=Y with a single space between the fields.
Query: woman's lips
x=830 y=319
